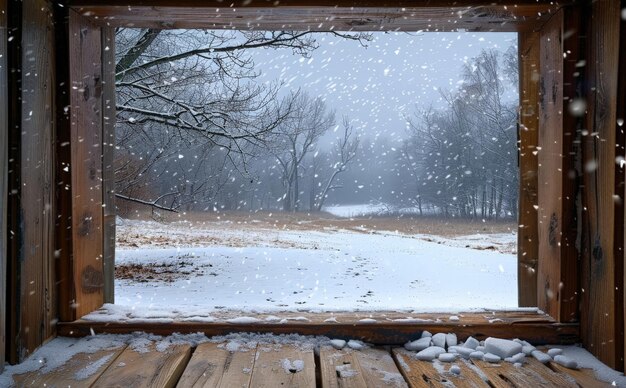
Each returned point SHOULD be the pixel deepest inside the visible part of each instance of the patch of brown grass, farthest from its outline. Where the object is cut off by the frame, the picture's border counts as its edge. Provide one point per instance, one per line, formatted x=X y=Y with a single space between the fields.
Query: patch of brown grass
x=315 y=221
x=154 y=272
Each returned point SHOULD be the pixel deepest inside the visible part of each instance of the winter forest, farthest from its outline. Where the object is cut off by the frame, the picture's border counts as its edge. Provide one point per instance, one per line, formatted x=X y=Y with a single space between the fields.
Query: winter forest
x=215 y=121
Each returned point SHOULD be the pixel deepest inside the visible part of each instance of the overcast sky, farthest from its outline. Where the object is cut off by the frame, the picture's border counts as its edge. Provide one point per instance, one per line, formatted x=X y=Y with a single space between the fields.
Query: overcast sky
x=379 y=85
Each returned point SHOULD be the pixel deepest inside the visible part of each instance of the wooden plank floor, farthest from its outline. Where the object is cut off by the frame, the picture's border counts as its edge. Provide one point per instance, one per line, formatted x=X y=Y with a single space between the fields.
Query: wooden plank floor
x=272 y=365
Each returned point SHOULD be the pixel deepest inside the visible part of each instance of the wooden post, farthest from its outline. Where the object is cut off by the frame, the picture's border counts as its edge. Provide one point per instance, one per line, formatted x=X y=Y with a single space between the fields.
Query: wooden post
x=557 y=279
x=86 y=167
x=602 y=280
x=3 y=176
x=550 y=159
x=527 y=236
x=108 y=153
x=31 y=313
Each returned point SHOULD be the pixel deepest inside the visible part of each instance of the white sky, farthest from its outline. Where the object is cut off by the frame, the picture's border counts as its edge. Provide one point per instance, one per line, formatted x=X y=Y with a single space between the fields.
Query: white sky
x=377 y=86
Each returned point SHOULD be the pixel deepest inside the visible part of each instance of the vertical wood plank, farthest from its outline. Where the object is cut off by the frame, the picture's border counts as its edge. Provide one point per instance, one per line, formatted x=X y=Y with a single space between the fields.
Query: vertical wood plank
x=63 y=186
x=31 y=170
x=571 y=169
x=527 y=235
x=86 y=166
x=38 y=84
x=603 y=277
x=550 y=166
x=621 y=128
x=557 y=278
x=108 y=153
x=3 y=175
x=14 y=60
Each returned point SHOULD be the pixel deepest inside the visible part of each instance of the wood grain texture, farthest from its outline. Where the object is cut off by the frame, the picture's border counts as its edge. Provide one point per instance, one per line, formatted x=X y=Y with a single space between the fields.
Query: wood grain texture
x=603 y=277
x=555 y=378
x=505 y=374
x=149 y=368
x=320 y=16
x=527 y=234
x=36 y=309
x=86 y=166
x=63 y=186
x=423 y=373
x=299 y=3
x=212 y=365
x=584 y=377
x=82 y=370
x=4 y=135
x=14 y=60
x=550 y=160
x=340 y=368
x=571 y=168
x=108 y=154
x=270 y=369
x=379 y=368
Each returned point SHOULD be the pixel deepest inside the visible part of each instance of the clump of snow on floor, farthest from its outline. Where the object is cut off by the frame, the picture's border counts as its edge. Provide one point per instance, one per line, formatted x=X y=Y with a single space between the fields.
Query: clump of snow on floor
x=498 y=350
x=345 y=371
x=294 y=366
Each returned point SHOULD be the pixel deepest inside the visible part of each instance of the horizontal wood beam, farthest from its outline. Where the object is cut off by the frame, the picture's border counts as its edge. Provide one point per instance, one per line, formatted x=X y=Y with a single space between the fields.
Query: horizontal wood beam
x=322 y=16
x=376 y=328
x=313 y=3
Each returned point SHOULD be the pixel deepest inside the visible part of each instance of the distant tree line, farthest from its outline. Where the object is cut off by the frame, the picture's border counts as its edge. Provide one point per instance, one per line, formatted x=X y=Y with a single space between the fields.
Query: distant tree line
x=195 y=132
x=463 y=159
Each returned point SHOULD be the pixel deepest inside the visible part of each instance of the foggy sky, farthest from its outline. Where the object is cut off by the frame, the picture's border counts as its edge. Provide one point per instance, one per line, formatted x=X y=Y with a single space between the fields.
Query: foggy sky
x=379 y=85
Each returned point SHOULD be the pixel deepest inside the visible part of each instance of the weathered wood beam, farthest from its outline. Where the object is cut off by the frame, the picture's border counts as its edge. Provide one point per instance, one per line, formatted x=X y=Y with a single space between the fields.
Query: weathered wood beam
x=308 y=3
x=86 y=108
x=31 y=286
x=108 y=153
x=527 y=235
x=602 y=280
x=535 y=328
x=557 y=266
x=63 y=186
x=3 y=175
x=347 y=16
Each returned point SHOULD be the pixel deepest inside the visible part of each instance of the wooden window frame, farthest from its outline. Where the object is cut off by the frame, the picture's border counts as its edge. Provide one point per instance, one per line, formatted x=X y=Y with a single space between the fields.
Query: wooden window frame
x=90 y=24
x=553 y=250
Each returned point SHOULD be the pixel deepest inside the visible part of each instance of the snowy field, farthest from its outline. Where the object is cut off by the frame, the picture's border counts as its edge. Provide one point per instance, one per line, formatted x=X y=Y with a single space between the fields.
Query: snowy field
x=194 y=269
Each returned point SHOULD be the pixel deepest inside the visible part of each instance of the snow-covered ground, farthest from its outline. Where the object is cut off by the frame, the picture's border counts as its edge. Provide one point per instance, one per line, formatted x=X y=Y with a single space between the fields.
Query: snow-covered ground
x=373 y=209
x=198 y=269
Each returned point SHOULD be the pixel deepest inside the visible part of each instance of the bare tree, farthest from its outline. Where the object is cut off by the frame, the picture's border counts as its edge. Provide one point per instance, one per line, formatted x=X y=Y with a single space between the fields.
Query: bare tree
x=345 y=150
x=463 y=157
x=295 y=138
x=190 y=89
